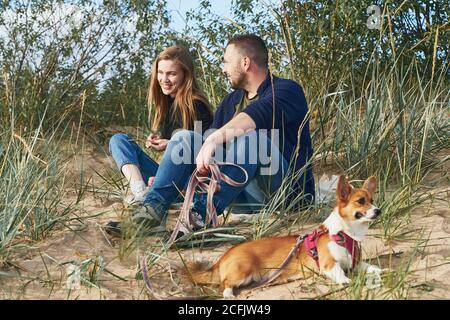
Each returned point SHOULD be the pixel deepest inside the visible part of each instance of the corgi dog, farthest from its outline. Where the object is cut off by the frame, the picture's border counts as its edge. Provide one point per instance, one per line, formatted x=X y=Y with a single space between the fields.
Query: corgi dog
x=325 y=251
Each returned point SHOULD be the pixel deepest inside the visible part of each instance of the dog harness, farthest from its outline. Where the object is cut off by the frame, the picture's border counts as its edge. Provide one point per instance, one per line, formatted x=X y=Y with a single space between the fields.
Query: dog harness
x=341 y=238
x=310 y=241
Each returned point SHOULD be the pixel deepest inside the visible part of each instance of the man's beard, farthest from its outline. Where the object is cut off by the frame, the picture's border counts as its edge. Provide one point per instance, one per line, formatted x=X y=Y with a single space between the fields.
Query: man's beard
x=240 y=82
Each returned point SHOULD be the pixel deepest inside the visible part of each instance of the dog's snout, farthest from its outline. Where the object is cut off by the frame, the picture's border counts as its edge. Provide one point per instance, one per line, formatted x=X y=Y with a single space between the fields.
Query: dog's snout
x=376 y=212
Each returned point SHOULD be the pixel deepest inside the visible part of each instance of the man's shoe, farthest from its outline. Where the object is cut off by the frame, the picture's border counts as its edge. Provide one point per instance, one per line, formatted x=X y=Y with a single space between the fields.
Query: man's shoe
x=144 y=218
x=113 y=228
x=147 y=218
x=198 y=224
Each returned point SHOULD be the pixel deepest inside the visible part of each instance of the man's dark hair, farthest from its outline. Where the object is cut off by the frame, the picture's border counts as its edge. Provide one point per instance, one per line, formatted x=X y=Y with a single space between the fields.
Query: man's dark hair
x=253 y=46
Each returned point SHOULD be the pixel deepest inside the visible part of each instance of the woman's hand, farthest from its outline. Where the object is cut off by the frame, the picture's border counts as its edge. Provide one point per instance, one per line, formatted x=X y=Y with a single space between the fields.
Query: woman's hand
x=150 y=181
x=156 y=143
x=150 y=142
x=160 y=144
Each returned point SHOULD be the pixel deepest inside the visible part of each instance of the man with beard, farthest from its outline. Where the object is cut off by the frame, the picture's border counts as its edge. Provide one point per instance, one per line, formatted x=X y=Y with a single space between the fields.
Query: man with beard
x=262 y=126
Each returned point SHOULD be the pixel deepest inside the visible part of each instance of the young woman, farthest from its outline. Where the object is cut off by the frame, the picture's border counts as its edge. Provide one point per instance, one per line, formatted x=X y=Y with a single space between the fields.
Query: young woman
x=176 y=101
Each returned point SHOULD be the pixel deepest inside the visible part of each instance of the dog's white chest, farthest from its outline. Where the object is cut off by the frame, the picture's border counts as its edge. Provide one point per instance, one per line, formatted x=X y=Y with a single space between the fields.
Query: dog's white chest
x=341 y=255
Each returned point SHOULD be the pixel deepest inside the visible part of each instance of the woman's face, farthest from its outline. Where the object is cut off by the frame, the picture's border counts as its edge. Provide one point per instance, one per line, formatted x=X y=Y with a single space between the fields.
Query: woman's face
x=170 y=77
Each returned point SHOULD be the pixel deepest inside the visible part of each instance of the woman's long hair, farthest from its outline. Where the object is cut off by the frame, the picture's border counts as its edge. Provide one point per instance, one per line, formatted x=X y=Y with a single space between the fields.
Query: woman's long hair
x=183 y=105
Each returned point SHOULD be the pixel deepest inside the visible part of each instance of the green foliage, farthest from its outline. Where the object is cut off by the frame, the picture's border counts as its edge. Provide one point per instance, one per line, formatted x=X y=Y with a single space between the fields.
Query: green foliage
x=31 y=187
x=62 y=60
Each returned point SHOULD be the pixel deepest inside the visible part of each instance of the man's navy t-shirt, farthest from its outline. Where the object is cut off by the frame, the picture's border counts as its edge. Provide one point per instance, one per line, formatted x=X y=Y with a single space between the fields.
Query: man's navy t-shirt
x=279 y=106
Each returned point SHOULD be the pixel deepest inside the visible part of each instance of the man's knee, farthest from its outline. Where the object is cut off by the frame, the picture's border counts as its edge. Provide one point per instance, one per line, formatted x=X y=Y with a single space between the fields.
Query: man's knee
x=246 y=142
x=250 y=136
x=243 y=149
x=183 y=135
x=183 y=145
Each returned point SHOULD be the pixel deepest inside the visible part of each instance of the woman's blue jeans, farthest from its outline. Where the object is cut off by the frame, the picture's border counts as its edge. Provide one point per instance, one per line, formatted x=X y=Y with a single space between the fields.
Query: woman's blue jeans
x=253 y=151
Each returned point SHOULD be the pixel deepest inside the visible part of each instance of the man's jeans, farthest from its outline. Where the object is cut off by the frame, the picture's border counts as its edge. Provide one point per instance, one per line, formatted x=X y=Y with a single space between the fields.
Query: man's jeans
x=254 y=152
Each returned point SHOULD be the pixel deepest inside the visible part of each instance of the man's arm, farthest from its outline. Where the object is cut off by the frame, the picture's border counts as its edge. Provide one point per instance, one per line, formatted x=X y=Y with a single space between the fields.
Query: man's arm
x=261 y=114
x=236 y=127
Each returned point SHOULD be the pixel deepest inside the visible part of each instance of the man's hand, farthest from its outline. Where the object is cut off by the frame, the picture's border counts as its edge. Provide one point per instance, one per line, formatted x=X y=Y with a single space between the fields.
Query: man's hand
x=205 y=157
x=237 y=126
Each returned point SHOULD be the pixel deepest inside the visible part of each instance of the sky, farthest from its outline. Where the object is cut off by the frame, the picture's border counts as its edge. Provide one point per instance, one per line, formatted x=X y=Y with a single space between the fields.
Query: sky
x=178 y=9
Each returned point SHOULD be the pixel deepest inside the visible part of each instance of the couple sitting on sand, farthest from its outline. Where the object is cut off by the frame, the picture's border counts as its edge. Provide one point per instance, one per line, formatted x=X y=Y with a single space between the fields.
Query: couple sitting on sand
x=262 y=126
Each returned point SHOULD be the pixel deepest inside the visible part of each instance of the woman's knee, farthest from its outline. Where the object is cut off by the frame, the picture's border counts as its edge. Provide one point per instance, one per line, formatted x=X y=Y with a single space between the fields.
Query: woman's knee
x=117 y=140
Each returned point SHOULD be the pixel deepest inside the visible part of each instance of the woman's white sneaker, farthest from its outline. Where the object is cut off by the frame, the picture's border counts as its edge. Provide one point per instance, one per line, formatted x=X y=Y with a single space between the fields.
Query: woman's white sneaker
x=136 y=199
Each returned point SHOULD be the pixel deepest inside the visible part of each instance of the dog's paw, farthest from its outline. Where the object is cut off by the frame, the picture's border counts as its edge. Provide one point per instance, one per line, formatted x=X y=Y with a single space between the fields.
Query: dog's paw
x=374 y=269
x=343 y=280
x=228 y=293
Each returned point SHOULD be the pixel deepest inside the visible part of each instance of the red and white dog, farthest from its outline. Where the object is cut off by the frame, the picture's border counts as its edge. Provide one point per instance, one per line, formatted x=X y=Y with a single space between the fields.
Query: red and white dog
x=329 y=250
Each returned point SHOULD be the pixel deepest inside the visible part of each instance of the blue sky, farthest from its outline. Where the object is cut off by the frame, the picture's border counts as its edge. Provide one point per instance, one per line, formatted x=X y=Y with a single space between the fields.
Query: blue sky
x=178 y=9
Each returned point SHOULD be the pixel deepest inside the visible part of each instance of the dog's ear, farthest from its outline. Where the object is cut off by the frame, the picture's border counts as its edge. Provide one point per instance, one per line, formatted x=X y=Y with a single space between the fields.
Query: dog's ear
x=370 y=184
x=343 y=188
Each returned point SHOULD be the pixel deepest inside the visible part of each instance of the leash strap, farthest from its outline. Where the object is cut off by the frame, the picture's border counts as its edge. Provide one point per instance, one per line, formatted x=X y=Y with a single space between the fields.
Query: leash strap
x=208 y=185
x=152 y=291
x=198 y=184
x=276 y=273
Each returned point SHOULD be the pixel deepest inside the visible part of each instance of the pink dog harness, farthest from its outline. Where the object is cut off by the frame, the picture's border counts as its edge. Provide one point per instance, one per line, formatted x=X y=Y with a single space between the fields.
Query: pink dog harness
x=341 y=238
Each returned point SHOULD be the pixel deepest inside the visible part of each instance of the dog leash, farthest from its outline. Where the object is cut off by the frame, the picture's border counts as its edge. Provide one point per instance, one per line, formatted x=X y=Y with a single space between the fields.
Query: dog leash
x=197 y=183
x=157 y=296
x=204 y=184
x=276 y=273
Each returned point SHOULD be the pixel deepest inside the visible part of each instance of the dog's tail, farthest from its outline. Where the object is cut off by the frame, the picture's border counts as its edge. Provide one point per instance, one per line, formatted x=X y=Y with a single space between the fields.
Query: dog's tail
x=203 y=272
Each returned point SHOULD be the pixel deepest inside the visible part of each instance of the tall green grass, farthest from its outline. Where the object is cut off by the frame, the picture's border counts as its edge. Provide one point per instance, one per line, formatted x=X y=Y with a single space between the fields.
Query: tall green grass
x=398 y=129
x=31 y=187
